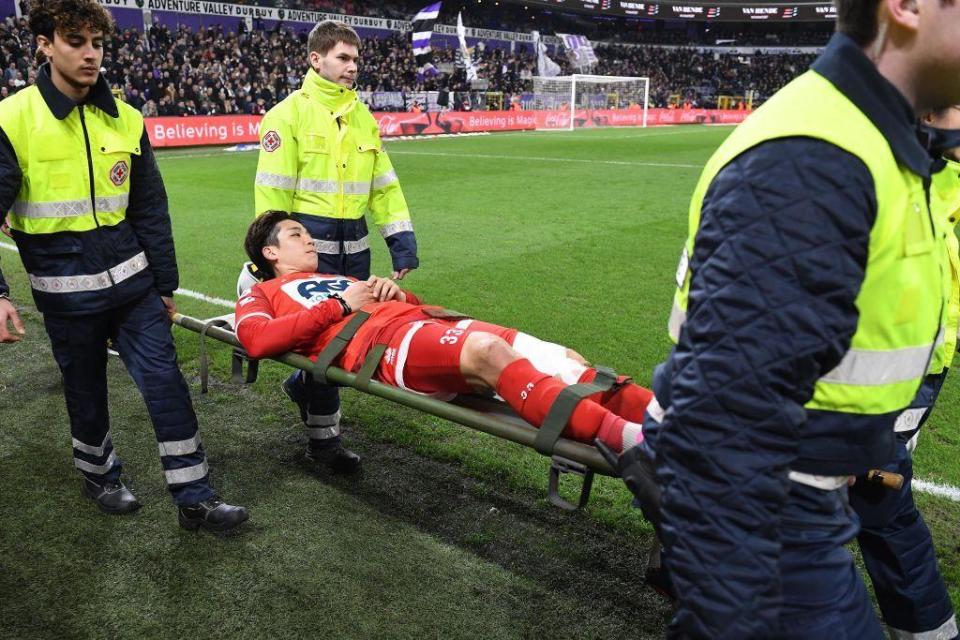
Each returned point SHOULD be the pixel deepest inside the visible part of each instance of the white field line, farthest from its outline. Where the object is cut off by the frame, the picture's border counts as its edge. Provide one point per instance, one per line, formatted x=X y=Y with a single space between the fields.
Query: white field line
x=616 y=133
x=202 y=296
x=935 y=489
x=942 y=490
x=665 y=165
x=626 y=163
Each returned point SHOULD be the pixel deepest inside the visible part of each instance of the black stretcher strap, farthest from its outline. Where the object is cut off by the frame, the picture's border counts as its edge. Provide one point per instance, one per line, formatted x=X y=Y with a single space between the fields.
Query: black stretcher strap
x=337 y=345
x=562 y=408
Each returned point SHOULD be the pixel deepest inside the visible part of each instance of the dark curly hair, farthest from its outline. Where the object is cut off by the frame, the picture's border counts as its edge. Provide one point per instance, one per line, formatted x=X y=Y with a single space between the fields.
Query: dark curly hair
x=264 y=231
x=68 y=16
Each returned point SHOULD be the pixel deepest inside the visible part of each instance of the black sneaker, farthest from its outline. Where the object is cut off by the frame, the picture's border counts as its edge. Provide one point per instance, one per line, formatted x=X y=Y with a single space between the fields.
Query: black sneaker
x=297 y=393
x=337 y=458
x=213 y=514
x=110 y=496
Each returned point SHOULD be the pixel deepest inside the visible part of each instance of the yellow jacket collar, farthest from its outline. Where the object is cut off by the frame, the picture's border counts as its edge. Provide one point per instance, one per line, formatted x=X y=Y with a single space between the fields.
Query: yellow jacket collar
x=331 y=95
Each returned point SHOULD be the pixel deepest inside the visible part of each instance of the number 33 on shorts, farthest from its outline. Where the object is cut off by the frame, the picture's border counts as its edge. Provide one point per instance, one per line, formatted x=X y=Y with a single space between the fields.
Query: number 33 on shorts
x=451 y=336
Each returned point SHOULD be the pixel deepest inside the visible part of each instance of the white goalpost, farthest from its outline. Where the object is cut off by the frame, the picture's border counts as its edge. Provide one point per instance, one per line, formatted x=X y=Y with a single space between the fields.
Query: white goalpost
x=575 y=98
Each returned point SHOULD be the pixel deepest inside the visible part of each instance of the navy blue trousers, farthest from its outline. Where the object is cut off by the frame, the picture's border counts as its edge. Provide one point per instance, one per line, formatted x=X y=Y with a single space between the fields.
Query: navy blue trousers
x=823 y=594
x=140 y=331
x=897 y=548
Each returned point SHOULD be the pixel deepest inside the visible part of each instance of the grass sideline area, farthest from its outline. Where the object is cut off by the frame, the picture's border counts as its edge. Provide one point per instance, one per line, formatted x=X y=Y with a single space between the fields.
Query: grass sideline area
x=571 y=236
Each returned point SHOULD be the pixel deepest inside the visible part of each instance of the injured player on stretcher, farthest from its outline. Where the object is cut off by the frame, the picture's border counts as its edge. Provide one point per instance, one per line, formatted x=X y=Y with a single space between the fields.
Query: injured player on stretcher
x=429 y=350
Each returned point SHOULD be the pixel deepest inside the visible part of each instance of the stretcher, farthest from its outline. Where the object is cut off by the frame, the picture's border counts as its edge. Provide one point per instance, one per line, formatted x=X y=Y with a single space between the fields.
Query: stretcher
x=485 y=414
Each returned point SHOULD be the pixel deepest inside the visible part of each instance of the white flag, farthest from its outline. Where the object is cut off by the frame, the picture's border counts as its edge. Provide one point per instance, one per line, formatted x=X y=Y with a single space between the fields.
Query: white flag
x=579 y=50
x=545 y=66
x=467 y=60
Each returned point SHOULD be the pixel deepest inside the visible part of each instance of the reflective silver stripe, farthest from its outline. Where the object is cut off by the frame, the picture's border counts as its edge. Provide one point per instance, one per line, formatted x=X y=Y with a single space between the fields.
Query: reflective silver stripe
x=96 y=469
x=872 y=368
x=944 y=632
x=333 y=186
x=356 y=188
x=180 y=447
x=909 y=419
x=93 y=282
x=94 y=451
x=826 y=483
x=323 y=433
x=677 y=317
x=379 y=182
x=318 y=186
x=388 y=230
x=69 y=208
x=276 y=180
x=328 y=247
x=332 y=247
x=187 y=474
x=323 y=420
x=130 y=267
x=356 y=246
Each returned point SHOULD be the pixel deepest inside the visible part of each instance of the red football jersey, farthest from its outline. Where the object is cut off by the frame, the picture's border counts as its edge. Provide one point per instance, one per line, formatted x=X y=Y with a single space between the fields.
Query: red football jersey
x=295 y=313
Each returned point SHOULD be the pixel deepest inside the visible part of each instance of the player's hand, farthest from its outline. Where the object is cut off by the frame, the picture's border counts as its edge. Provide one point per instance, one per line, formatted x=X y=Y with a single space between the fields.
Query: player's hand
x=398 y=275
x=5 y=228
x=8 y=313
x=170 y=305
x=384 y=289
x=358 y=295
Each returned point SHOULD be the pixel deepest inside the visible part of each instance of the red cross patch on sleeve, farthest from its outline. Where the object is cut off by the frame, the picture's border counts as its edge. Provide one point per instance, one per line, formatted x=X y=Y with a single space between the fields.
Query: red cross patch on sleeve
x=271 y=141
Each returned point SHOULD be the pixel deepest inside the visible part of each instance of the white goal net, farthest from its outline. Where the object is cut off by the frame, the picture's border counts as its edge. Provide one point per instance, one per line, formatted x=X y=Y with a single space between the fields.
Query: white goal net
x=590 y=101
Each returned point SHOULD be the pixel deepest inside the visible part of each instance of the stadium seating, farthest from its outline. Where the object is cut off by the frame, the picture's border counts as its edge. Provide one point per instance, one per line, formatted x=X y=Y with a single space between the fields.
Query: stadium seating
x=211 y=71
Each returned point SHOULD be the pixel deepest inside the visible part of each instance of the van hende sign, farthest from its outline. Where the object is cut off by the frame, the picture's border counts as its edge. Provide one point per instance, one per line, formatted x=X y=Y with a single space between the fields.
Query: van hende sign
x=680 y=10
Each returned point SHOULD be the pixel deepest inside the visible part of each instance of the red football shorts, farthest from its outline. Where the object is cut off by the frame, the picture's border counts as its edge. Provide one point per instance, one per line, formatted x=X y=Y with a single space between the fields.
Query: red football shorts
x=424 y=355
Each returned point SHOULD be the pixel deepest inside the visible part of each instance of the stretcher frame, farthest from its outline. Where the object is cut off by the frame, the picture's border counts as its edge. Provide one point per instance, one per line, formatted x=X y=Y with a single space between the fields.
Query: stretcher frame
x=473 y=411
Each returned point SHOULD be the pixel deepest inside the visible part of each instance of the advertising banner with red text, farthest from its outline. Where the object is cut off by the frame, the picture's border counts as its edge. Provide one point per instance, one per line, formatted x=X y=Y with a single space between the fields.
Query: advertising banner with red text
x=223 y=130
x=192 y=131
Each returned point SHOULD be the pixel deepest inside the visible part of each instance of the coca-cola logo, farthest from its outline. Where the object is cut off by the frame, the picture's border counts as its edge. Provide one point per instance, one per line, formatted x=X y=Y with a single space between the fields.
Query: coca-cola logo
x=557 y=120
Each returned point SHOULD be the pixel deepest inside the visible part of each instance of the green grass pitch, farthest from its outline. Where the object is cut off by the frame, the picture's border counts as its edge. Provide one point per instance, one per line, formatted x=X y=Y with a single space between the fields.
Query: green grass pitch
x=571 y=236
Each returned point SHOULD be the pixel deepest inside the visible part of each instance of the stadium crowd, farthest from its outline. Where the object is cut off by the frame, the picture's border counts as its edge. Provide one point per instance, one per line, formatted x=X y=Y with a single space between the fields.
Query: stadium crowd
x=516 y=17
x=210 y=71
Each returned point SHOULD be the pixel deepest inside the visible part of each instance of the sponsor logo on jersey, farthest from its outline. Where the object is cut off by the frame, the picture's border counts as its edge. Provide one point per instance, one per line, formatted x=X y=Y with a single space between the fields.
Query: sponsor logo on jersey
x=119 y=173
x=271 y=141
x=312 y=291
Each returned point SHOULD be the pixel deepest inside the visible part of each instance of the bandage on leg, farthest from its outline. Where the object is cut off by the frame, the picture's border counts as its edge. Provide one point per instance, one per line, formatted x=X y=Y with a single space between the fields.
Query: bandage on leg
x=548 y=357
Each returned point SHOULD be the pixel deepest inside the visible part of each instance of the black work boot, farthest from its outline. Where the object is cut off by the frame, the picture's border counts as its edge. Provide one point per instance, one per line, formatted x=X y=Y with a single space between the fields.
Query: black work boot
x=335 y=457
x=111 y=496
x=213 y=514
x=292 y=388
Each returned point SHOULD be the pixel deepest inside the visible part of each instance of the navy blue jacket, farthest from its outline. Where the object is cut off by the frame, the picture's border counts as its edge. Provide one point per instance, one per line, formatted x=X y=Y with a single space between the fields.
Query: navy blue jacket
x=146 y=228
x=778 y=261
